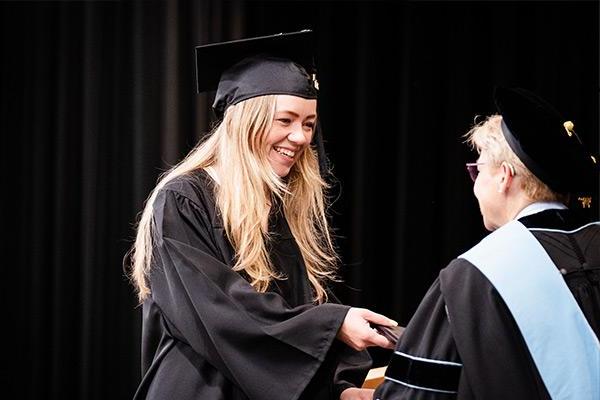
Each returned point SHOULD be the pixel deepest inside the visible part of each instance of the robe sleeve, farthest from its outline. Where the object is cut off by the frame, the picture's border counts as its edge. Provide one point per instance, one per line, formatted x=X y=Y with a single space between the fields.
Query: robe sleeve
x=496 y=362
x=353 y=365
x=427 y=336
x=269 y=350
x=351 y=370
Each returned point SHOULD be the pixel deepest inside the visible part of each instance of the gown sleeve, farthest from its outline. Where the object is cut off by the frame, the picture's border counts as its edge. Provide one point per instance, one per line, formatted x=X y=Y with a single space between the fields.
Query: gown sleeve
x=496 y=362
x=426 y=336
x=353 y=365
x=463 y=320
x=263 y=346
x=352 y=369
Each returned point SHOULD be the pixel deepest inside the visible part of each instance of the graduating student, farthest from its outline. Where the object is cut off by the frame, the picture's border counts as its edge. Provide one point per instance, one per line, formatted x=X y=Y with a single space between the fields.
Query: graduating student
x=518 y=315
x=233 y=254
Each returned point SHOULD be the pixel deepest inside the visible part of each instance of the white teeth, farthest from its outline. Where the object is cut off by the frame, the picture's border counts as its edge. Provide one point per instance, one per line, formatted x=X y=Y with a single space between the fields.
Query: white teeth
x=285 y=152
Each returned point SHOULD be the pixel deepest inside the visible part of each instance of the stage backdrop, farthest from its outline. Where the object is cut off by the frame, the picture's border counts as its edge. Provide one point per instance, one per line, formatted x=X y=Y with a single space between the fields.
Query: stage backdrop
x=97 y=99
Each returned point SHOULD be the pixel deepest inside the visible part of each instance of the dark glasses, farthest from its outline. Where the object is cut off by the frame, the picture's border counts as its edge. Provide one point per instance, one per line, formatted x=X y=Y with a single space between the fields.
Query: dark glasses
x=472 y=169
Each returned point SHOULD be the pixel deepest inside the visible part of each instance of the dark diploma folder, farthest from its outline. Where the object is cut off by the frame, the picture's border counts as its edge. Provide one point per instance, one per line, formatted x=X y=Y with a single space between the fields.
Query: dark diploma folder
x=391 y=333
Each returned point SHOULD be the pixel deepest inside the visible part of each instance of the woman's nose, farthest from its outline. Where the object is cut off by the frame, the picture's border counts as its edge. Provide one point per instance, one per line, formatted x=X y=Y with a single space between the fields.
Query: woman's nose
x=297 y=135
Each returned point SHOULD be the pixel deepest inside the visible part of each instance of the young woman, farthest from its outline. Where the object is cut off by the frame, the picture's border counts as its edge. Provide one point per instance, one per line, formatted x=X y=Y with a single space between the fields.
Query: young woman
x=233 y=253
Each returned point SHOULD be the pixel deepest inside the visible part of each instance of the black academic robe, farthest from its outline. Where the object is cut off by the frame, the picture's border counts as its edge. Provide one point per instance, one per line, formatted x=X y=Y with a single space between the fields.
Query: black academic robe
x=463 y=319
x=208 y=334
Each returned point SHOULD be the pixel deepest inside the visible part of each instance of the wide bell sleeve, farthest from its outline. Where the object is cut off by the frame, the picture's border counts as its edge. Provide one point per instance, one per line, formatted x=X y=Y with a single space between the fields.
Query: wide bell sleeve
x=353 y=366
x=352 y=369
x=266 y=348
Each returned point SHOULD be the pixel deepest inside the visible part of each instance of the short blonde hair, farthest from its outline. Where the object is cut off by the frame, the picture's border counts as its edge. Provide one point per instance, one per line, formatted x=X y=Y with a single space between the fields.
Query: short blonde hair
x=488 y=136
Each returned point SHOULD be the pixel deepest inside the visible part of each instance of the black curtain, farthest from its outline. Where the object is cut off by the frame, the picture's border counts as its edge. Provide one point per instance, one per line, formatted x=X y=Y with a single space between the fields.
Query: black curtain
x=97 y=99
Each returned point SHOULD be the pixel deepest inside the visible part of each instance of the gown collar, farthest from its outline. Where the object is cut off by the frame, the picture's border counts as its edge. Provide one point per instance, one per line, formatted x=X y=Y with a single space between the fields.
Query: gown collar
x=540 y=206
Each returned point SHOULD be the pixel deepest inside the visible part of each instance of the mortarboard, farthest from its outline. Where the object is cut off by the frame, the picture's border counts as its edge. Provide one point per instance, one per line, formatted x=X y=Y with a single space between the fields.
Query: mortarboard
x=545 y=142
x=241 y=69
x=277 y=64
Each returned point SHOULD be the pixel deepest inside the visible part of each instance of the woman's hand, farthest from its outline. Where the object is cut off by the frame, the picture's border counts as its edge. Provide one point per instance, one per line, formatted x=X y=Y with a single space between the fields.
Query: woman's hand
x=358 y=334
x=357 y=394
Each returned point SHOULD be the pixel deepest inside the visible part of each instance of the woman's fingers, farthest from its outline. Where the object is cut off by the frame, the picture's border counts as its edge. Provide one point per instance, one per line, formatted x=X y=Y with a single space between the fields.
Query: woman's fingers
x=378 y=318
x=357 y=332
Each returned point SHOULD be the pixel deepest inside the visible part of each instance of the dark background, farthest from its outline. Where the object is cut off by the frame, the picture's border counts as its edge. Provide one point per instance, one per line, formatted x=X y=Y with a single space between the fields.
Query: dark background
x=97 y=99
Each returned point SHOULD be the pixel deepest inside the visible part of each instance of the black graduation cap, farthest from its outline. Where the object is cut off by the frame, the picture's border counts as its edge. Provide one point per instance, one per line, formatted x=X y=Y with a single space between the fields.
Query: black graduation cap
x=277 y=64
x=241 y=69
x=545 y=142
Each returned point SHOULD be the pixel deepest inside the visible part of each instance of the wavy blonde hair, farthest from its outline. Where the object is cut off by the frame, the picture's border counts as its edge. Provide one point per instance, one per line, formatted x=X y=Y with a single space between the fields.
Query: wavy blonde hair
x=244 y=195
x=487 y=135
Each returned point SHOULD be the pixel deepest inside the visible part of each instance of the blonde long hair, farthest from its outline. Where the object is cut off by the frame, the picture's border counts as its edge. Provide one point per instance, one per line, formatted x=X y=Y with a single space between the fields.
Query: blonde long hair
x=244 y=195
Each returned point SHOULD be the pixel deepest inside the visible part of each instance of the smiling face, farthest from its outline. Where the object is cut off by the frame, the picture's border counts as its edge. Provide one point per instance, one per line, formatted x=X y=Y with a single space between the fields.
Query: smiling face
x=291 y=132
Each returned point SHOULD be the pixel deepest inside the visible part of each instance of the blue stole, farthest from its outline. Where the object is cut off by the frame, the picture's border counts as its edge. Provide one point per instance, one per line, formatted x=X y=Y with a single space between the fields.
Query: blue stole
x=561 y=342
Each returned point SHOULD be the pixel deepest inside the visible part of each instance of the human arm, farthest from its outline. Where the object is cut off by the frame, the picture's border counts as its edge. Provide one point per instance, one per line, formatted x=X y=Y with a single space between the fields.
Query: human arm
x=427 y=336
x=480 y=320
x=353 y=365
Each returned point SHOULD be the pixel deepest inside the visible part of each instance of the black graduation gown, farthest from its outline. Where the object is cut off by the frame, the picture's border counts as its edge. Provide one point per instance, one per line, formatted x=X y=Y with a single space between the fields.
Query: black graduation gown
x=462 y=319
x=207 y=334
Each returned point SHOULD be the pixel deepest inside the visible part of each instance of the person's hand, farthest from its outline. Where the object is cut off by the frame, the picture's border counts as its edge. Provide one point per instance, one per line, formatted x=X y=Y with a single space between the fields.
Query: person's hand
x=358 y=334
x=357 y=394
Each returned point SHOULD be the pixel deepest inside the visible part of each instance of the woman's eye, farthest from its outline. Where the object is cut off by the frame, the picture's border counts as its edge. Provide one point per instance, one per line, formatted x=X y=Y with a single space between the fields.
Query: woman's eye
x=310 y=125
x=284 y=121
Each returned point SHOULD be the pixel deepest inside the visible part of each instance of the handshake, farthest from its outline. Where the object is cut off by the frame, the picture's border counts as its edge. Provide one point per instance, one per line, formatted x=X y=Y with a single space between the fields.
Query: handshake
x=363 y=328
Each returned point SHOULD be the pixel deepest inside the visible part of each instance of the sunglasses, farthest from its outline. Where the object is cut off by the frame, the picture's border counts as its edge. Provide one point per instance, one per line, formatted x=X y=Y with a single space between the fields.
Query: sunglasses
x=472 y=169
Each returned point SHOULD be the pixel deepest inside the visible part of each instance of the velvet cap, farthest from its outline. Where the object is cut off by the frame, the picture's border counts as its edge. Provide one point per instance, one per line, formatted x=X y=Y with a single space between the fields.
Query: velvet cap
x=545 y=142
x=241 y=69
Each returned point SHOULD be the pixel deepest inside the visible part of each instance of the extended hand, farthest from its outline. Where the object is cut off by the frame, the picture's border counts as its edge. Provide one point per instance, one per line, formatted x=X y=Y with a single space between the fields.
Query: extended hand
x=358 y=334
x=357 y=394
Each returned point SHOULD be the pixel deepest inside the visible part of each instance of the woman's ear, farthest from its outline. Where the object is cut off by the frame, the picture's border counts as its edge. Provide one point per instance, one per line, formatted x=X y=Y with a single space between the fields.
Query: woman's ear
x=507 y=172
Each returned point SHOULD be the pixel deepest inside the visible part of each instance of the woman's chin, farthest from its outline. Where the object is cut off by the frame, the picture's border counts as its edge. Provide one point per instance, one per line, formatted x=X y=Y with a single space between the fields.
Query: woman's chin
x=282 y=170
